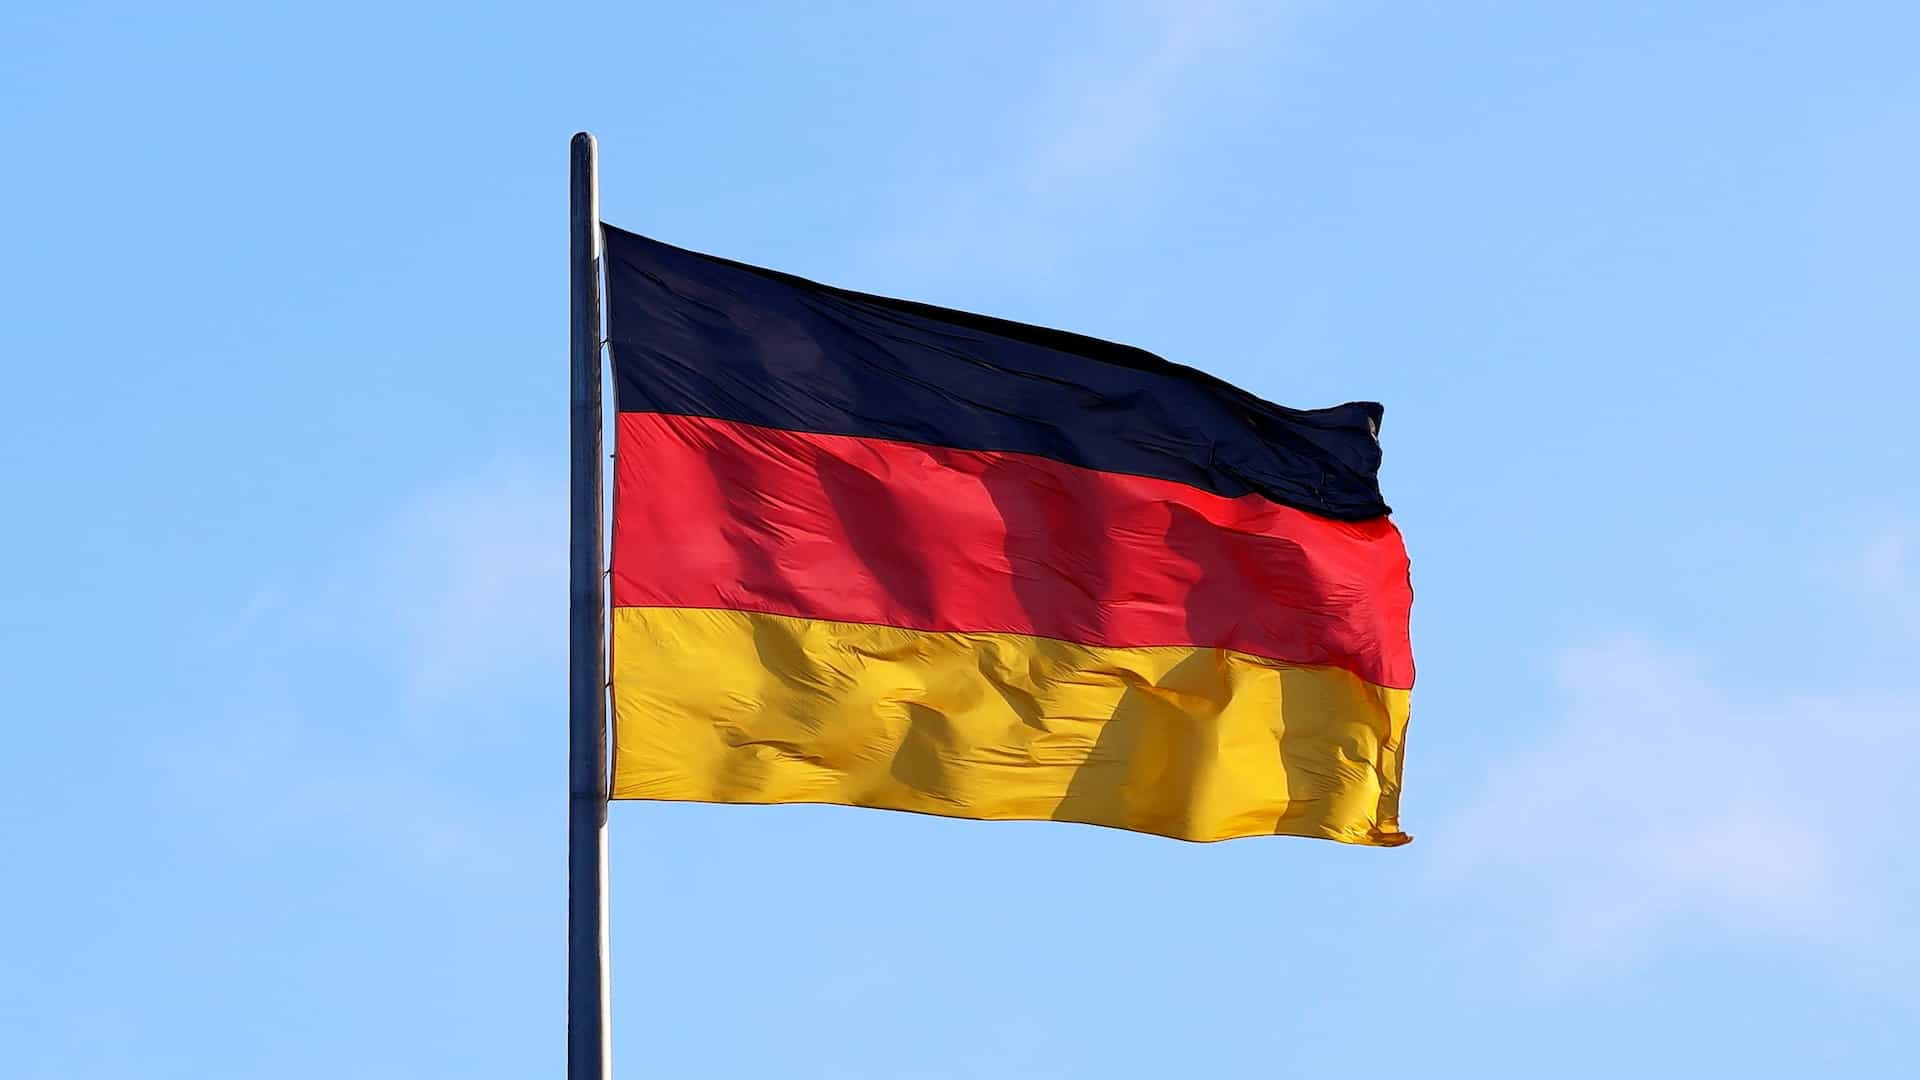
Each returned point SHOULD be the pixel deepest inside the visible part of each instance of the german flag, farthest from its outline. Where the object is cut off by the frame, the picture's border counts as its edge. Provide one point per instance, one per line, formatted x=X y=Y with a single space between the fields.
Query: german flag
x=877 y=553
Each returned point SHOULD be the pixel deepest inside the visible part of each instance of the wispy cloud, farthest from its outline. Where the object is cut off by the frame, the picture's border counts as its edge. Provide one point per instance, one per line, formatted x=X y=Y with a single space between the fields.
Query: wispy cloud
x=1098 y=127
x=1110 y=113
x=479 y=582
x=434 y=830
x=1663 y=799
x=302 y=783
x=1886 y=559
x=369 y=711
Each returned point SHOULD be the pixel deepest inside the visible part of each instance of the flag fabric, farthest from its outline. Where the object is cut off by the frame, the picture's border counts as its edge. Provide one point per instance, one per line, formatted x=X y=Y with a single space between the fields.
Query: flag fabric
x=877 y=553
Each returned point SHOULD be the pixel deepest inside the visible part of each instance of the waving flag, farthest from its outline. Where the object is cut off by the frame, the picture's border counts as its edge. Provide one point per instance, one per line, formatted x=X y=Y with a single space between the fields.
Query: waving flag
x=876 y=553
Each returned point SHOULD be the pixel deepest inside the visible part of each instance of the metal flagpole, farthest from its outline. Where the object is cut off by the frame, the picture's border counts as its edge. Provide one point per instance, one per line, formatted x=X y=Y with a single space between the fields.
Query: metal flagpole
x=589 y=1035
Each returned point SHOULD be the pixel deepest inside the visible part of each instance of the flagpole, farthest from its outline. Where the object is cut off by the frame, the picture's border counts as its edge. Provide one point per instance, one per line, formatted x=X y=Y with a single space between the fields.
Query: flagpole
x=589 y=1035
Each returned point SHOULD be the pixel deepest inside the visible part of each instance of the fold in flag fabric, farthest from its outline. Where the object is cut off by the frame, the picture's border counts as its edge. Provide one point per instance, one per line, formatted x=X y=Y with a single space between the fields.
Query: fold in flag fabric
x=877 y=553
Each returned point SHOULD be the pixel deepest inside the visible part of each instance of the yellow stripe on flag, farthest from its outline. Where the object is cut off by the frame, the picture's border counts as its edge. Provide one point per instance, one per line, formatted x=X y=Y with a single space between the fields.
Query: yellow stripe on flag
x=1200 y=744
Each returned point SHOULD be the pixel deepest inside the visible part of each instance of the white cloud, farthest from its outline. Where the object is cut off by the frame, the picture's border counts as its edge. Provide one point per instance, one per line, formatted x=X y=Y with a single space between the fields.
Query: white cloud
x=1884 y=561
x=1098 y=126
x=1111 y=112
x=313 y=728
x=1663 y=800
x=300 y=782
x=437 y=831
x=480 y=583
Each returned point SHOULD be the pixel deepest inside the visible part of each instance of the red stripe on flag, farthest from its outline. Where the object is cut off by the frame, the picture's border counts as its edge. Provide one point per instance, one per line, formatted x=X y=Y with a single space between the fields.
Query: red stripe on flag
x=719 y=514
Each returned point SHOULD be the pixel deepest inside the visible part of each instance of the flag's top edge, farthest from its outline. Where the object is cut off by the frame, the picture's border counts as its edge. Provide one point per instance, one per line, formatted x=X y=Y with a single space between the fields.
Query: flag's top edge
x=1067 y=341
x=1229 y=440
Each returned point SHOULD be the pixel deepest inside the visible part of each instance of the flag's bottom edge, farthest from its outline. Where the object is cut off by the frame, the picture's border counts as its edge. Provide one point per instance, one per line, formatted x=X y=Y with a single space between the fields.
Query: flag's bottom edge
x=734 y=707
x=1387 y=836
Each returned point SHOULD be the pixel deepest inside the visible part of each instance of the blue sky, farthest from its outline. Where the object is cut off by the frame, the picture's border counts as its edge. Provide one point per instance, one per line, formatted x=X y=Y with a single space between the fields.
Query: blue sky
x=282 y=315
